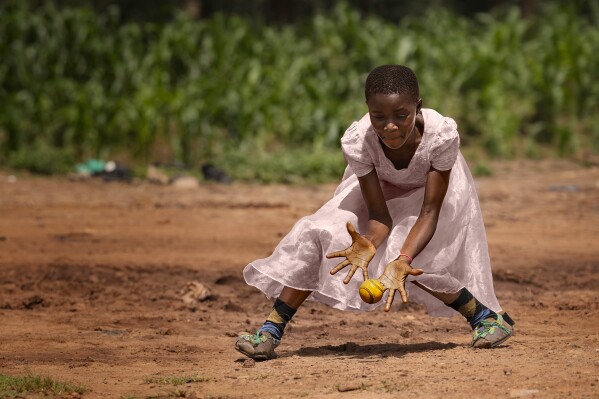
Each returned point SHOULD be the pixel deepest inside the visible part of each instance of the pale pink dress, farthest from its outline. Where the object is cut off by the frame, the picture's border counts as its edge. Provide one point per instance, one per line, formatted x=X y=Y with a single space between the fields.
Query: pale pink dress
x=456 y=257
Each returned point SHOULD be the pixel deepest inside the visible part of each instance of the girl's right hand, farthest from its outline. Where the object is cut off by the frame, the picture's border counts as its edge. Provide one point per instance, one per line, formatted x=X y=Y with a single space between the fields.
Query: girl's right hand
x=394 y=278
x=358 y=254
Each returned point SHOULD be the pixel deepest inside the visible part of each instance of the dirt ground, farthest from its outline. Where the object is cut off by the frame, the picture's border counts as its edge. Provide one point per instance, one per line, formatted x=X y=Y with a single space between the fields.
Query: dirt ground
x=92 y=276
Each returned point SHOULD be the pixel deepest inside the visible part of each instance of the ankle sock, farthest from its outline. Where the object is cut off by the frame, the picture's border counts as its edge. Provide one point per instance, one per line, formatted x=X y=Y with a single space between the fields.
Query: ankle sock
x=277 y=319
x=471 y=308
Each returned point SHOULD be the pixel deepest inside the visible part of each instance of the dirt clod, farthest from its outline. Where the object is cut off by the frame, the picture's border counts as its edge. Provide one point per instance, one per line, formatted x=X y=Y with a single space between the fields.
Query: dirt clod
x=349 y=386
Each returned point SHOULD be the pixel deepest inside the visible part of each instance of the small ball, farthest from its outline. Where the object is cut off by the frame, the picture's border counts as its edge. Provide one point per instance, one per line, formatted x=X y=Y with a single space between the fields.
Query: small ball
x=371 y=290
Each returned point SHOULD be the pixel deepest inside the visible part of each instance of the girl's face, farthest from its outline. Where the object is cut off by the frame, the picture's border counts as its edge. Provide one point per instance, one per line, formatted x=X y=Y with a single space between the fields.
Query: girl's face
x=393 y=117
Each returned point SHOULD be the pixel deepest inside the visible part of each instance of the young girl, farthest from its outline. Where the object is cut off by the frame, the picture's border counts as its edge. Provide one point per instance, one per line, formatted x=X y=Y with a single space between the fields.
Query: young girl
x=409 y=192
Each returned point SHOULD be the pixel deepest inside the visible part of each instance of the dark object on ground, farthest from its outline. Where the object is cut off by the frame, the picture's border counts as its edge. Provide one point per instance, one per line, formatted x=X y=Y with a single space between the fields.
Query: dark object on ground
x=211 y=172
x=118 y=173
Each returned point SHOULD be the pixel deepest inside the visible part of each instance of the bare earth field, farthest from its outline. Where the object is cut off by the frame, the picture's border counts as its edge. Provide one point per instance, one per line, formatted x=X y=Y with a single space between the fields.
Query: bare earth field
x=92 y=276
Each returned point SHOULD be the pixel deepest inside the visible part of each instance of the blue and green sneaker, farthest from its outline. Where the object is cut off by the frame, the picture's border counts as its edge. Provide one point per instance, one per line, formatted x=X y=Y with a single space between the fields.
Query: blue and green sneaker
x=492 y=332
x=259 y=346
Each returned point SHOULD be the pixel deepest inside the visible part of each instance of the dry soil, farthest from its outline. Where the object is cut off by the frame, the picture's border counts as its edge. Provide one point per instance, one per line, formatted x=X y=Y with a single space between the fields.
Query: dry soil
x=92 y=277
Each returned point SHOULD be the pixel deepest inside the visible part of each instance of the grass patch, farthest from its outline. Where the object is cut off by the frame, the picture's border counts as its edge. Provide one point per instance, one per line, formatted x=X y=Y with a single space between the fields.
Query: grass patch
x=175 y=380
x=301 y=164
x=482 y=170
x=12 y=387
x=42 y=159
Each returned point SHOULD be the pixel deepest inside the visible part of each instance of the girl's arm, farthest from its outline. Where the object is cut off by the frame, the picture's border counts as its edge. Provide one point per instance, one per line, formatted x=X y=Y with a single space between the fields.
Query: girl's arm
x=396 y=272
x=363 y=247
x=379 y=219
x=424 y=228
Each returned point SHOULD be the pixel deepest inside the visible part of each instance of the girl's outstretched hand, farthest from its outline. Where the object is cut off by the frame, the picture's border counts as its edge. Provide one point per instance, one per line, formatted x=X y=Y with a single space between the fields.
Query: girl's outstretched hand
x=394 y=278
x=358 y=254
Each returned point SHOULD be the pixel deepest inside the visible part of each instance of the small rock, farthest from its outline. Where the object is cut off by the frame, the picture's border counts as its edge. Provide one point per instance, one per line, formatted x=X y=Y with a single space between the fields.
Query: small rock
x=247 y=363
x=507 y=372
x=349 y=386
x=154 y=175
x=186 y=182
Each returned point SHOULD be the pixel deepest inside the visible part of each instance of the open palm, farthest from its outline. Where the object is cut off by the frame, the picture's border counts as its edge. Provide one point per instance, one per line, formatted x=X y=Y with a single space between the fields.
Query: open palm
x=358 y=254
x=394 y=278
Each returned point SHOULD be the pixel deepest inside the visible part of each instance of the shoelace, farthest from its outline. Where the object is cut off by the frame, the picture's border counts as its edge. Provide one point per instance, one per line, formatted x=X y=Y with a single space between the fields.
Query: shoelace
x=259 y=338
x=256 y=339
x=487 y=327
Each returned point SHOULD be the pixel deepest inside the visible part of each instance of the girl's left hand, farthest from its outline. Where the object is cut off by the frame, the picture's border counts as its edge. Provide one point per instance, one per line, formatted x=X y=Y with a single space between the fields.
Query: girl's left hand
x=394 y=278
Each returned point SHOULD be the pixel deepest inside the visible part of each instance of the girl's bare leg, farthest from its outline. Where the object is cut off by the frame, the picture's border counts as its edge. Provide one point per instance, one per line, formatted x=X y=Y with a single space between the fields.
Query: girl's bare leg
x=442 y=296
x=293 y=297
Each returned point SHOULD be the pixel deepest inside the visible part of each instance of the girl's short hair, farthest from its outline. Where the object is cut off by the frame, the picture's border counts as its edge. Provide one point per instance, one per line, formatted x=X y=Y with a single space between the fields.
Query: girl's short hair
x=392 y=79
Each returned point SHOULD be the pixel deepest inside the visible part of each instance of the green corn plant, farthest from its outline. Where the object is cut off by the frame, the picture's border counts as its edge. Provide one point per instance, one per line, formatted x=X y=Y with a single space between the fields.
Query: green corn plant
x=250 y=96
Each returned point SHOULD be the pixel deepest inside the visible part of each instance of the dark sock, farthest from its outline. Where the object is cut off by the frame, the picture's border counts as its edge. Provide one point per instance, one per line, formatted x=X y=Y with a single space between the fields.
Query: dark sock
x=277 y=319
x=471 y=308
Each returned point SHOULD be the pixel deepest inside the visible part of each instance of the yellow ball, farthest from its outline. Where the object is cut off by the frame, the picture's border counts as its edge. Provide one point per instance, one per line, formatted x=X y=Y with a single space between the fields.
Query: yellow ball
x=371 y=290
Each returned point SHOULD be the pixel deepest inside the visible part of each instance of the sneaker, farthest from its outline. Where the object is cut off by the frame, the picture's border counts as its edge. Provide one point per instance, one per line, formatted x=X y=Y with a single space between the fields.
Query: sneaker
x=260 y=346
x=492 y=332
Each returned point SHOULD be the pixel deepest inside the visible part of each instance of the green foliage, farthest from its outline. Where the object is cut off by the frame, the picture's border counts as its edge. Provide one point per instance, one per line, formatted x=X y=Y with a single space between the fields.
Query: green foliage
x=482 y=170
x=15 y=387
x=42 y=159
x=285 y=165
x=252 y=98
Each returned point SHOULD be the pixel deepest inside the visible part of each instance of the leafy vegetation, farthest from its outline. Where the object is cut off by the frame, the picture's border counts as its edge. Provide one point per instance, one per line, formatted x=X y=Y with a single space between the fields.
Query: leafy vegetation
x=13 y=387
x=270 y=103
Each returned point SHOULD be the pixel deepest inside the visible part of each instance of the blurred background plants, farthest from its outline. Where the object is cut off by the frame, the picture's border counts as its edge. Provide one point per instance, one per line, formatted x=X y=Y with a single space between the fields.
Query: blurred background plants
x=268 y=102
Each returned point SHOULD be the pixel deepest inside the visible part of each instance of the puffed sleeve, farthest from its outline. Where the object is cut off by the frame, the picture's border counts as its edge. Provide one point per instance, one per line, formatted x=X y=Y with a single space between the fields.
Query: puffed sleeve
x=353 y=144
x=446 y=146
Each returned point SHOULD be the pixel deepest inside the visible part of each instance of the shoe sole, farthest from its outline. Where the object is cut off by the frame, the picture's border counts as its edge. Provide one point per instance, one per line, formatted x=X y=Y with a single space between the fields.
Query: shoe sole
x=494 y=344
x=502 y=340
x=256 y=357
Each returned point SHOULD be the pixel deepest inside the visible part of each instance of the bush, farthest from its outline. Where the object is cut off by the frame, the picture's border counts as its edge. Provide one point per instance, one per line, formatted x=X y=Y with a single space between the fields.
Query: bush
x=88 y=86
x=42 y=159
